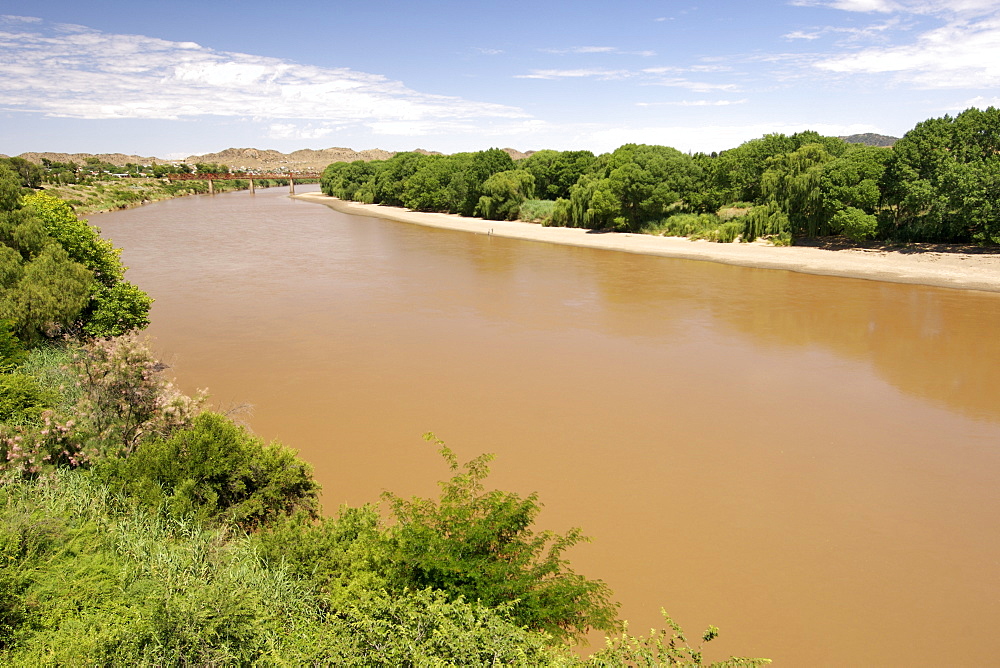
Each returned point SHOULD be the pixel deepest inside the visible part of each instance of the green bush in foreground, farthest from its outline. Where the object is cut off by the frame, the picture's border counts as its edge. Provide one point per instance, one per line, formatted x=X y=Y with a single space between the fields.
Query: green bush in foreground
x=215 y=470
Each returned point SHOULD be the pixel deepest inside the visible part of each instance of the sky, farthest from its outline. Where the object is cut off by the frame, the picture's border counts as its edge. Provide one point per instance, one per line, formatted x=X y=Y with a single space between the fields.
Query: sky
x=179 y=78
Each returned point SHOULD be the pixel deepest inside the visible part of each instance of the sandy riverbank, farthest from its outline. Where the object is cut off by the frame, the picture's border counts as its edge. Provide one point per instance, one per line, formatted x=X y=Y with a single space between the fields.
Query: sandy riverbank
x=970 y=271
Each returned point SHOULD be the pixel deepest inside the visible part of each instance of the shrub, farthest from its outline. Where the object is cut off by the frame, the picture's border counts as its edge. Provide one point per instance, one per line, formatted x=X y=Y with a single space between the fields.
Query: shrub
x=855 y=224
x=22 y=399
x=480 y=545
x=215 y=469
x=125 y=397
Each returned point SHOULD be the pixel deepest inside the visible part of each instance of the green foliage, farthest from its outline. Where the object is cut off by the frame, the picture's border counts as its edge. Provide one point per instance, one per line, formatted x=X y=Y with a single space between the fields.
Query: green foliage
x=214 y=469
x=648 y=180
x=22 y=399
x=664 y=648
x=87 y=581
x=58 y=274
x=536 y=211
x=504 y=193
x=116 y=310
x=391 y=176
x=555 y=172
x=48 y=297
x=855 y=224
x=942 y=181
x=852 y=180
x=768 y=220
x=708 y=226
x=12 y=352
x=438 y=184
x=29 y=174
x=792 y=183
x=479 y=545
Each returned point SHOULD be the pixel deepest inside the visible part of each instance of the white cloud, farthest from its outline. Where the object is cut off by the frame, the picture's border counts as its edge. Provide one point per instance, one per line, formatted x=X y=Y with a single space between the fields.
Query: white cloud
x=72 y=71
x=579 y=73
x=695 y=86
x=294 y=131
x=979 y=102
x=692 y=103
x=925 y=7
x=598 y=49
x=961 y=54
x=799 y=34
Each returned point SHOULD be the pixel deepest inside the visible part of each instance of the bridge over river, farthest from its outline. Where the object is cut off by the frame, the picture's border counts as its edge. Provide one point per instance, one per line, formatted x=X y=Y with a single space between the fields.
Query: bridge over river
x=291 y=178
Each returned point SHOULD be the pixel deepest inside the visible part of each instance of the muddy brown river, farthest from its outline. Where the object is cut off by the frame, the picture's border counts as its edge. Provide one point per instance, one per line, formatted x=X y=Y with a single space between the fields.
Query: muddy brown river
x=809 y=463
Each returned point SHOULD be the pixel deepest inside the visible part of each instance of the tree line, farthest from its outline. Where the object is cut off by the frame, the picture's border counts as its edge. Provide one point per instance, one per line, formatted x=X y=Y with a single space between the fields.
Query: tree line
x=940 y=182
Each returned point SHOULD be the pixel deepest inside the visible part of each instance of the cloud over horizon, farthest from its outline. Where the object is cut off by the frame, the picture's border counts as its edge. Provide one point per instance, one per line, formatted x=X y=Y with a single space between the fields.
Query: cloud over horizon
x=71 y=71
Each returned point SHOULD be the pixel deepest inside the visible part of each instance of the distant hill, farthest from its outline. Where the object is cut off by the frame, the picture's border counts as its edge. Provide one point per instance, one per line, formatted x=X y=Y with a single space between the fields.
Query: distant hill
x=80 y=158
x=871 y=139
x=236 y=158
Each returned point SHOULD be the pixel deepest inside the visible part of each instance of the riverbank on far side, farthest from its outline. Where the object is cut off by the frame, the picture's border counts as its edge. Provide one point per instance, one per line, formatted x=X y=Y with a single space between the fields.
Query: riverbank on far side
x=968 y=271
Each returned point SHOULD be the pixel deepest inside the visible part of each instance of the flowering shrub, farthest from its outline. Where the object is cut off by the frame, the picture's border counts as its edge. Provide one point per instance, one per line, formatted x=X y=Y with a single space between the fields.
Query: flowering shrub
x=122 y=400
x=54 y=445
x=125 y=396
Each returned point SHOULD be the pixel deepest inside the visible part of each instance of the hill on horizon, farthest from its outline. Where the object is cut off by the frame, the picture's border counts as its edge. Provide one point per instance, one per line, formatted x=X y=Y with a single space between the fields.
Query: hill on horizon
x=871 y=139
x=237 y=159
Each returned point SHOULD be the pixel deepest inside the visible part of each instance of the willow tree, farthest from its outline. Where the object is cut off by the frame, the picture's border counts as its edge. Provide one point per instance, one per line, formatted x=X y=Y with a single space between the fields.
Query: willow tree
x=792 y=181
x=504 y=193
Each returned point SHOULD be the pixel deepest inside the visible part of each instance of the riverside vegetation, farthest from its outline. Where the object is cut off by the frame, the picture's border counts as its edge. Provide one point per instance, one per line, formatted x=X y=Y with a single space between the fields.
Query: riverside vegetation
x=100 y=186
x=139 y=528
x=939 y=183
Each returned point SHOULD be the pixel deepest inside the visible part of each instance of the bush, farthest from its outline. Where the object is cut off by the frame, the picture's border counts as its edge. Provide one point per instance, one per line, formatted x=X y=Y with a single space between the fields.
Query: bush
x=480 y=545
x=22 y=399
x=855 y=224
x=215 y=469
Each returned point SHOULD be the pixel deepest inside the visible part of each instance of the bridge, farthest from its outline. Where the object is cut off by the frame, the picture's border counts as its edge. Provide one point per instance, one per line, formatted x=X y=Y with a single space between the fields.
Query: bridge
x=243 y=176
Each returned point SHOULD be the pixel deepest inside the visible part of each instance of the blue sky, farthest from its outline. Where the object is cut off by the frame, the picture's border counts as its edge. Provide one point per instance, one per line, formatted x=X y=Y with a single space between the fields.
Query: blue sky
x=171 y=79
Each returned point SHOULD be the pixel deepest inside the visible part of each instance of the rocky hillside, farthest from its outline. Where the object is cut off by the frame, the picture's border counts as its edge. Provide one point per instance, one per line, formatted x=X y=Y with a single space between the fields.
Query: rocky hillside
x=306 y=159
x=871 y=139
x=80 y=158
x=237 y=158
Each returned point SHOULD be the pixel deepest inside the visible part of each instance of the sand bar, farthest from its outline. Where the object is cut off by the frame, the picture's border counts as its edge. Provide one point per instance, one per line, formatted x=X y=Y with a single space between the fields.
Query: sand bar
x=969 y=271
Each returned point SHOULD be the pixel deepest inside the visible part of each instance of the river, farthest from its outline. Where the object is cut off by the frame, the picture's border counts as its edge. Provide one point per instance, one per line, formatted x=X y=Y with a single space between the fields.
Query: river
x=810 y=463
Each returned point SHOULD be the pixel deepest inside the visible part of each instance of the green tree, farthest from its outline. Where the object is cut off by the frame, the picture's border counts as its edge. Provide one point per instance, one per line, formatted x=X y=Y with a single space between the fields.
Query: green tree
x=851 y=196
x=555 y=172
x=503 y=194
x=792 y=181
x=115 y=306
x=438 y=184
x=48 y=297
x=942 y=181
x=29 y=173
x=391 y=176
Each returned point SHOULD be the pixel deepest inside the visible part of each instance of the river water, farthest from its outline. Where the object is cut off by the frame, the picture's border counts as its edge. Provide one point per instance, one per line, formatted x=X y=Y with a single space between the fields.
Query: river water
x=810 y=463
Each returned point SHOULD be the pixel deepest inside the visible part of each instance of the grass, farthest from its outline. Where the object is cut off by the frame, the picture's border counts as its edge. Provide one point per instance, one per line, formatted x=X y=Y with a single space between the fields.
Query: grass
x=536 y=210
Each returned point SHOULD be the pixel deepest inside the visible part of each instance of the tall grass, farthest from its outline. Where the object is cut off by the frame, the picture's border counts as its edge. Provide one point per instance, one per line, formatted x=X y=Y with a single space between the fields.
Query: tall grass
x=707 y=226
x=536 y=210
